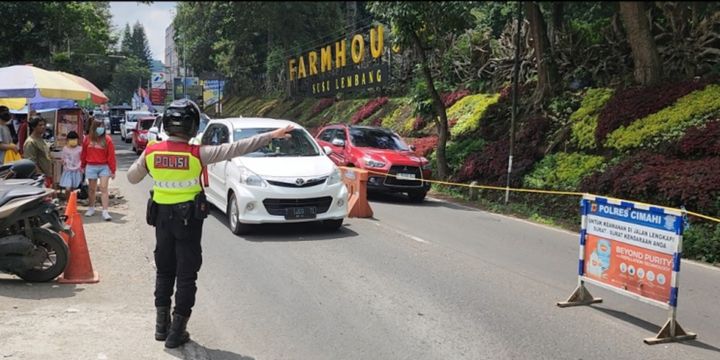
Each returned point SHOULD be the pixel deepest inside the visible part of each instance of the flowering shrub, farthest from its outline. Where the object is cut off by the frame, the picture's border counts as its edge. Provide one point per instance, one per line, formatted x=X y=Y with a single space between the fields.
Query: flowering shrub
x=667 y=123
x=457 y=151
x=397 y=119
x=562 y=171
x=655 y=178
x=368 y=109
x=451 y=98
x=468 y=112
x=702 y=140
x=419 y=123
x=635 y=103
x=584 y=120
x=376 y=122
x=321 y=105
x=423 y=146
x=490 y=165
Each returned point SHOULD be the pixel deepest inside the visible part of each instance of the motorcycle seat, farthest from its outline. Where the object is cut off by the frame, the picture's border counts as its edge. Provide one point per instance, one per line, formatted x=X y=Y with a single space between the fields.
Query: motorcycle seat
x=10 y=192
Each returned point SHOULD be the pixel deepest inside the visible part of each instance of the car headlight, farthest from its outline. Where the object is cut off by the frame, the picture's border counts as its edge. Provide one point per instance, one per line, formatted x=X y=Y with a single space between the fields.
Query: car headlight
x=334 y=177
x=249 y=178
x=373 y=163
x=143 y=137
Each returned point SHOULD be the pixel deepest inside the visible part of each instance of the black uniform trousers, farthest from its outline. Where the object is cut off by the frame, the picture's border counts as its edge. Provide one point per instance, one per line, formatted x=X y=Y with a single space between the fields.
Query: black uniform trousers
x=178 y=256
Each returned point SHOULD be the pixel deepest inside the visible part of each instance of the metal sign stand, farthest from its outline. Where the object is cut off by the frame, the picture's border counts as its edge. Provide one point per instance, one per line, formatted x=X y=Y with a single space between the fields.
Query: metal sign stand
x=671 y=331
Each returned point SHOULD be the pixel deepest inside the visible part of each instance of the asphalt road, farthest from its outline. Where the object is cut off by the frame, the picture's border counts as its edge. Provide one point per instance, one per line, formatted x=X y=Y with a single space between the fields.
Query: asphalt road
x=430 y=281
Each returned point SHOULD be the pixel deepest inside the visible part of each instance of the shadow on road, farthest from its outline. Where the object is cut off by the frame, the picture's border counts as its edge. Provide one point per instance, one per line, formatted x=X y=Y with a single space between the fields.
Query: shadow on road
x=401 y=199
x=13 y=287
x=653 y=328
x=311 y=231
x=193 y=350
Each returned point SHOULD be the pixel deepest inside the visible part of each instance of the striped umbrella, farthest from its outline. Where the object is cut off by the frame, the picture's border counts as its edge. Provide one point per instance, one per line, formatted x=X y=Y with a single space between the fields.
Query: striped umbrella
x=27 y=81
x=97 y=96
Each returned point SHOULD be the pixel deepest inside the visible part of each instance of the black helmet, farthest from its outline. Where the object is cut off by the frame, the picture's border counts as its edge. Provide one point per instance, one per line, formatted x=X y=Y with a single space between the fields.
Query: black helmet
x=182 y=117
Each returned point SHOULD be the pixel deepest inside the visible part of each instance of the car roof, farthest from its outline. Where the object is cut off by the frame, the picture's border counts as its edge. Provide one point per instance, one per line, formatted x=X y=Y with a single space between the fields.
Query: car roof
x=147 y=118
x=244 y=122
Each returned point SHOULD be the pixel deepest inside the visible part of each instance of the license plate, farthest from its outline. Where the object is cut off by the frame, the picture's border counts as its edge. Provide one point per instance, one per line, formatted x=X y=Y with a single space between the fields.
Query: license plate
x=402 y=176
x=300 y=213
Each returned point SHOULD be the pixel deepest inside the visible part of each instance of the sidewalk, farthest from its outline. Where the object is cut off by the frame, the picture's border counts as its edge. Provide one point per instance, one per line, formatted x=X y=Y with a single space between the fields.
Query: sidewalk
x=112 y=319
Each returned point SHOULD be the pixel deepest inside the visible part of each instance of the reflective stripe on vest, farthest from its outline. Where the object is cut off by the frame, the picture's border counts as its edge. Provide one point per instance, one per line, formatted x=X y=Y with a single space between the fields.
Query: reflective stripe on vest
x=176 y=169
x=175 y=184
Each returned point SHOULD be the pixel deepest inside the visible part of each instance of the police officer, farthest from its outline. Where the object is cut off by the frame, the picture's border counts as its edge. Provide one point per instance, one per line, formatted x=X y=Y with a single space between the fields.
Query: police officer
x=178 y=207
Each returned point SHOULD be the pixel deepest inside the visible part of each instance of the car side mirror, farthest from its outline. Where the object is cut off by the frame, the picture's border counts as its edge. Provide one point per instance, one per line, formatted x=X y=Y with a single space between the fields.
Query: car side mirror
x=412 y=147
x=327 y=149
x=338 y=142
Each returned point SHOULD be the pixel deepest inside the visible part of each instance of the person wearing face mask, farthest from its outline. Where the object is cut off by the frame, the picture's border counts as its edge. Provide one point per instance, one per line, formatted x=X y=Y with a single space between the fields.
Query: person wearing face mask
x=36 y=149
x=98 y=162
x=72 y=175
x=6 y=138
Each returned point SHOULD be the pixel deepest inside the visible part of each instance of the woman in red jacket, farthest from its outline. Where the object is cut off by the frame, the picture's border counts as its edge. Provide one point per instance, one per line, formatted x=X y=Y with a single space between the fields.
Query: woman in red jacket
x=98 y=162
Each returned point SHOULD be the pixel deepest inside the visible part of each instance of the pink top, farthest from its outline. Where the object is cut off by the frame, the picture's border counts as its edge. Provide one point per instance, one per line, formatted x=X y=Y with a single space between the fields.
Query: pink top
x=71 y=157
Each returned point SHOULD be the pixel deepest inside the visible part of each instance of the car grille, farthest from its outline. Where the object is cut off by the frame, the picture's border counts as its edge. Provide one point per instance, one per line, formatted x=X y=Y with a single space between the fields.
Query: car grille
x=392 y=180
x=279 y=206
x=307 y=183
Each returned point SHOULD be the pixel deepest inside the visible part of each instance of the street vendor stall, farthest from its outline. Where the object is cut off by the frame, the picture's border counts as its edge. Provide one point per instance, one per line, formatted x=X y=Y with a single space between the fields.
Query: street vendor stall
x=41 y=88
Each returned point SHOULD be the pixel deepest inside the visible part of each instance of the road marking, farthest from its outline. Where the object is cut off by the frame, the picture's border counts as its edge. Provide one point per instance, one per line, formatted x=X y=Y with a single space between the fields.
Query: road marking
x=402 y=233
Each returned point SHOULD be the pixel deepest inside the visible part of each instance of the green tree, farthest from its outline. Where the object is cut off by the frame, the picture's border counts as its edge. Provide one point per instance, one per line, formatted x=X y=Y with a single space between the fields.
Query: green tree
x=126 y=41
x=128 y=74
x=37 y=32
x=548 y=77
x=648 y=68
x=139 y=45
x=424 y=26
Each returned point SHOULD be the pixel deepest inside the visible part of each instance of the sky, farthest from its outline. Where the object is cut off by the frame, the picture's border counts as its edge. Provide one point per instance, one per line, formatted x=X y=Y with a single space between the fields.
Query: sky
x=155 y=18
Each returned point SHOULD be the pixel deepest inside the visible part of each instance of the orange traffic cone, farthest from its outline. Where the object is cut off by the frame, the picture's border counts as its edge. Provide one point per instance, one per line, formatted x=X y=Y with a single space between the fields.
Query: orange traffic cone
x=71 y=207
x=79 y=269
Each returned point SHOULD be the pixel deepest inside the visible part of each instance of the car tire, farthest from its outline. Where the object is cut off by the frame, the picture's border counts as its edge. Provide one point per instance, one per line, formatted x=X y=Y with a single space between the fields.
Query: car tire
x=233 y=214
x=417 y=196
x=334 y=224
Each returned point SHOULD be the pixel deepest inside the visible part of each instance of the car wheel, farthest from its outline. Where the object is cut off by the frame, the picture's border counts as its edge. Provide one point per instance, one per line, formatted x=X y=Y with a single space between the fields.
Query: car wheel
x=233 y=213
x=334 y=224
x=417 y=196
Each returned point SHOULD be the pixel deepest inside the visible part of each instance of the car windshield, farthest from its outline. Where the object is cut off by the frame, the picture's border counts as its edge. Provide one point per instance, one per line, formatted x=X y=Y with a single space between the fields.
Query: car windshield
x=376 y=138
x=146 y=124
x=299 y=144
x=134 y=117
x=203 y=123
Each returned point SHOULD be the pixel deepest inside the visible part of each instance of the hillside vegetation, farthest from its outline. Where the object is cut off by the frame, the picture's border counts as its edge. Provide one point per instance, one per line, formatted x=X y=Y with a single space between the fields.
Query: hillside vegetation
x=658 y=144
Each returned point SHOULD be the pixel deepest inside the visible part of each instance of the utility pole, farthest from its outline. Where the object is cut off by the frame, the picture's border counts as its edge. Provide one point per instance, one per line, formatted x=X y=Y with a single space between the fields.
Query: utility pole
x=516 y=70
x=184 y=68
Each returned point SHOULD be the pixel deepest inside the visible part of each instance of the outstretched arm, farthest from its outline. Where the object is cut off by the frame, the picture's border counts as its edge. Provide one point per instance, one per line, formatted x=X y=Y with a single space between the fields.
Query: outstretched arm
x=214 y=153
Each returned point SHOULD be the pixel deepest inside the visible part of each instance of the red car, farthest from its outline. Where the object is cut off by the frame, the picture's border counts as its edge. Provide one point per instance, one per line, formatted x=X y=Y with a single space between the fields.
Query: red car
x=381 y=151
x=140 y=134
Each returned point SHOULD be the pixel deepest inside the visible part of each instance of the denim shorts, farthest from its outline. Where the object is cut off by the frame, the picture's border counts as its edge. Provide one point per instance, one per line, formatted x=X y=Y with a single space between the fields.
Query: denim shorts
x=93 y=172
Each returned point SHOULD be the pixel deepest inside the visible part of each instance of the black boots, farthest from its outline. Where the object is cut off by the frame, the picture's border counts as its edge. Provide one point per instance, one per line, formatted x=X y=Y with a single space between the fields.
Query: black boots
x=177 y=334
x=162 y=323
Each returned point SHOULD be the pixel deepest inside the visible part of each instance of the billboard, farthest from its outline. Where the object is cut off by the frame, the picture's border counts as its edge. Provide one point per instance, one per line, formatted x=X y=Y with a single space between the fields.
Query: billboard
x=352 y=63
x=158 y=80
x=632 y=249
x=212 y=92
x=157 y=96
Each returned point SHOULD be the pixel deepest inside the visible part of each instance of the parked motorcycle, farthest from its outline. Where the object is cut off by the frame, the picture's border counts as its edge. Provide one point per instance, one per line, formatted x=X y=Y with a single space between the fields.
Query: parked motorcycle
x=30 y=246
